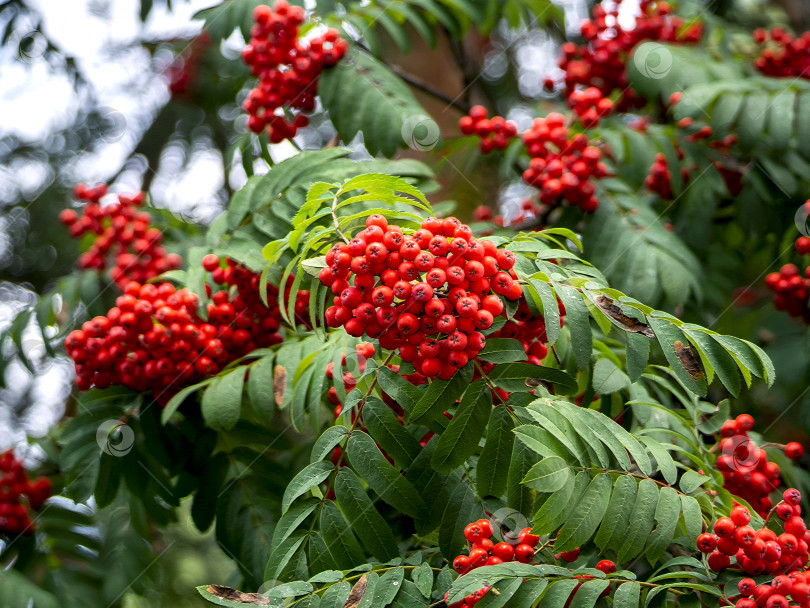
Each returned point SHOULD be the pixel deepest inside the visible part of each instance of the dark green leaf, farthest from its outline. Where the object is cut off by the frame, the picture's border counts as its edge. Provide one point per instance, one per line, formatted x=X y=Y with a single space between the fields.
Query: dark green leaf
x=439 y=395
x=460 y=439
x=363 y=518
x=306 y=479
x=527 y=377
x=493 y=464
x=502 y=350
x=222 y=401
x=365 y=458
x=587 y=516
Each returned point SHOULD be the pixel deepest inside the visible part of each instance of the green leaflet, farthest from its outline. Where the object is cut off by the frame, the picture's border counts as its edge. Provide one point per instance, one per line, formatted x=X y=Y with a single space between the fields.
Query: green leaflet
x=666 y=516
x=493 y=464
x=339 y=538
x=502 y=350
x=525 y=376
x=579 y=323
x=260 y=388
x=461 y=509
x=306 y=479
x=548 y=475
x=222 y=400
x=363 y=95
x=627 y=594
x=557 y=506
x=617 y=516
x=588 y=593
x=363 y=518
x=440 y=393
x=327 y=441
x=670 y=338
x=366 y=458
x=460 y=439
x=641 y=521
x=557 y=594
x=587 y=516
x=383 y=426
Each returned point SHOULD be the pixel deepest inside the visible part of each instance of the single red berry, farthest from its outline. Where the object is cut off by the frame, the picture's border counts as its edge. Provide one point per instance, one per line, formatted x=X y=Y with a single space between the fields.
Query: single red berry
x=794 y=450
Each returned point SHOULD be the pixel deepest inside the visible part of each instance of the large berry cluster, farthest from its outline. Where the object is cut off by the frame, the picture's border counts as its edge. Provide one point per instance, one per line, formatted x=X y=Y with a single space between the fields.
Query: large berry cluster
x=747 y=473
x=483 y=552
x=122 y=233
x=790 y=286
x=428 y=295
x=791 y=291
x=590 y=106
x=154 y=339
x=18 y=494
x=562 y=165
x=287 y=69
x=601 y=62
x=759 y=551
x=784 y=55
x=495 y=133
x=659 y=178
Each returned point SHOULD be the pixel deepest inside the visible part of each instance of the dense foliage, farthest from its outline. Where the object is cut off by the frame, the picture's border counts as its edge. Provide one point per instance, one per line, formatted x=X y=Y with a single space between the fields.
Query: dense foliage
x=370 y=402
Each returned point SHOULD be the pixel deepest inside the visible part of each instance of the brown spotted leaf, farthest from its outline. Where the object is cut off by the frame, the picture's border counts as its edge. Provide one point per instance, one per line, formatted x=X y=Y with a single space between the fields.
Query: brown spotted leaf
x=628 y=323
x=692 y=365
x=357 y=593
x=233 y=595
x=279 y=384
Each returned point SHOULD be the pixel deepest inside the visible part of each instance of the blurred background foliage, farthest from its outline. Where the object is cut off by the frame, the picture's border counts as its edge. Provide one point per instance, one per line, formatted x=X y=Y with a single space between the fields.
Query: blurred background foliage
x=135 y=94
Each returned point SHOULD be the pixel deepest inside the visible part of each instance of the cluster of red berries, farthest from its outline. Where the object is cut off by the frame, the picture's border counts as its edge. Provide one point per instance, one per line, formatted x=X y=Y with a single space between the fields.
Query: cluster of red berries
x=601 y=62
x=775 y=595
x=154 y=339
x=790 y=286
x=428 y=295
x=562 y=165
x=18 y=494
x=747 y=473
x=791 y=291
x=758 y=551
x=590 y=106
x=287 y=69
x=182 y=73
x=659 y=178
x=495 y=133
x=483 y=552
x=698 y=134
x=784 y=56
x=122 y=232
